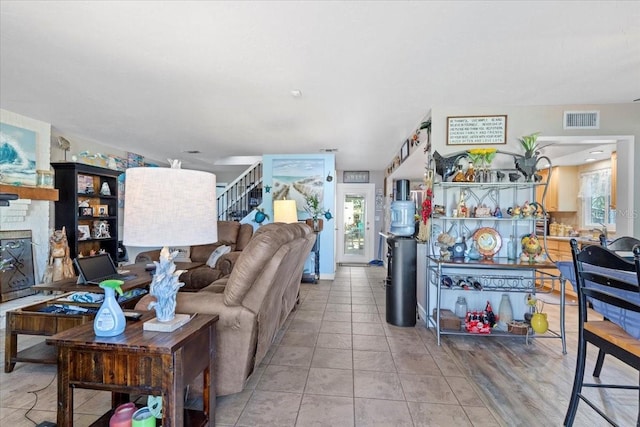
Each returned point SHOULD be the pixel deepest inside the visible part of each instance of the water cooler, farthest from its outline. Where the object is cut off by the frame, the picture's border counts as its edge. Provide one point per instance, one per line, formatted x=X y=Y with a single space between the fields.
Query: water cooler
x=401 y=298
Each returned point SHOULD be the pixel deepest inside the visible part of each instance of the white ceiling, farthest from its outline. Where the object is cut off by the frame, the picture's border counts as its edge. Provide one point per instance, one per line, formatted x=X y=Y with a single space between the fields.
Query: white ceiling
x=159 y=78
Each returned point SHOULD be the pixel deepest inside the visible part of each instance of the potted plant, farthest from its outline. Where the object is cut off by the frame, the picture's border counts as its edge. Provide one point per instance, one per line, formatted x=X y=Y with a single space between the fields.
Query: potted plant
x=314 y=209
x=529 y=144
x=527 y=164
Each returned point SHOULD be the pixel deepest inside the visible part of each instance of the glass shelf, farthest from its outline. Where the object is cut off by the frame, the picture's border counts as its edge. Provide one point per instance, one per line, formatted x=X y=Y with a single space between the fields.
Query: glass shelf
x=486 y=218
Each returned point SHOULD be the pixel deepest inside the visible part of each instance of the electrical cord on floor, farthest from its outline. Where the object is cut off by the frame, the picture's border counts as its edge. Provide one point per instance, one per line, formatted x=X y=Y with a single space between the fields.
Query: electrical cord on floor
x=35 y=393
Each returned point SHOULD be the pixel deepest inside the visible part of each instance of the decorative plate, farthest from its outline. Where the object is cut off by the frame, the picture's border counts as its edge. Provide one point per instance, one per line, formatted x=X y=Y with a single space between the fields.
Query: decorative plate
x=489 y=241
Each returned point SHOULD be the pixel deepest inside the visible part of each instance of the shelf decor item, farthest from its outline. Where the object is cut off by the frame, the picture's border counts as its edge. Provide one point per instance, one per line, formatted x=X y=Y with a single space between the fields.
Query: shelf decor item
x=183 y=208
x=488 y=240
x=528 y=164
x=505 y=312
x=314 y=209
x=539 y=323
x=85 y=211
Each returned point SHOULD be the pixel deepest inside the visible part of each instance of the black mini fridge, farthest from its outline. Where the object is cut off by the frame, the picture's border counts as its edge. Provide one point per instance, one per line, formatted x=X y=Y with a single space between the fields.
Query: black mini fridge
x=401 y=281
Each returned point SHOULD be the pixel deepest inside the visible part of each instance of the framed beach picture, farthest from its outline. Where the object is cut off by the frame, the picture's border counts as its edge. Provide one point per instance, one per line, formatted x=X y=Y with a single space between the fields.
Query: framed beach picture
x=17 y=155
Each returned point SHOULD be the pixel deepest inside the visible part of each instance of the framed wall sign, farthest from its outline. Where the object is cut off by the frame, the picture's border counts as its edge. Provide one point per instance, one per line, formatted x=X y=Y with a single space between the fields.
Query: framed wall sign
x=355 y=177
x=404 y=151
x=475 y=130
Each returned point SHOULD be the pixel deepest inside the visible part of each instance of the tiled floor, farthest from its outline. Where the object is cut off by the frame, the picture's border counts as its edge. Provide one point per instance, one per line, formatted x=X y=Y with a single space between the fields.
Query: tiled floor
x=338 y=363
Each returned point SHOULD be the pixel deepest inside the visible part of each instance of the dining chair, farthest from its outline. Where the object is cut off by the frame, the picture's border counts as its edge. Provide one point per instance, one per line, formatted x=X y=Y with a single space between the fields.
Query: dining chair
x=611 y=283
x=624 y=243
x=621 y=244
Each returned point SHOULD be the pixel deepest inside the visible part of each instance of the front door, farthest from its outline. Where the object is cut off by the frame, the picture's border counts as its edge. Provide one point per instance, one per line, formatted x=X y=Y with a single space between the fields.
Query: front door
x=355 y=223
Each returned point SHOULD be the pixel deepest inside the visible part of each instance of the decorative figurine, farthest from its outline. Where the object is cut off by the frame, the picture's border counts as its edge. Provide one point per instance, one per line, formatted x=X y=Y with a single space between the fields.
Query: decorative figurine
x=497 y=213
x=105 y=190
x=445 y=241
x=514 y=176
x=459 y=248
x=59 y=265
x=531 y=249
x=462 y=210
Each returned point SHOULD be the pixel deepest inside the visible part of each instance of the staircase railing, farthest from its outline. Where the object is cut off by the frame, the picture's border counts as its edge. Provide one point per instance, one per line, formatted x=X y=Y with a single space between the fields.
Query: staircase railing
x=242 y=195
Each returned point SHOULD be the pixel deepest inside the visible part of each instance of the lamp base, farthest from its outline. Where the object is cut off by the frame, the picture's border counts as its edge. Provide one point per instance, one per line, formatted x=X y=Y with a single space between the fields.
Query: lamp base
x=170 y=326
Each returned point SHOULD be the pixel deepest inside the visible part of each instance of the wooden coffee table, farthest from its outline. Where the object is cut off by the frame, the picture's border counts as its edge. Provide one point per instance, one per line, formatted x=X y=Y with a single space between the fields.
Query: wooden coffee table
x=31 y=321
x=140 y=362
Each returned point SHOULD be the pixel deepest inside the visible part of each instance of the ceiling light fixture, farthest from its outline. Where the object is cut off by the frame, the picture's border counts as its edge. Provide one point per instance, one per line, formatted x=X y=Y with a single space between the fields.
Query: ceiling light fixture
x=590 y=159
x=296 y=93
x=596 y=152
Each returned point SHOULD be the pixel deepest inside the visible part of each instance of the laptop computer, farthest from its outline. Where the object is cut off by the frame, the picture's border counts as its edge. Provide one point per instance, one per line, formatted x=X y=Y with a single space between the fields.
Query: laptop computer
x=94 y=269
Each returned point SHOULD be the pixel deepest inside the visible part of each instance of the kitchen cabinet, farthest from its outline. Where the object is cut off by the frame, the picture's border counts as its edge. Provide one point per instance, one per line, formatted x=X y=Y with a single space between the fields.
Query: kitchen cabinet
x=562 y=192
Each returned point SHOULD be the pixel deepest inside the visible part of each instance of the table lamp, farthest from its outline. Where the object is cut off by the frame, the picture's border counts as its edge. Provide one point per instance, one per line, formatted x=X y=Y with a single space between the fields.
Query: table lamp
x=285 y=211
x=169 y=207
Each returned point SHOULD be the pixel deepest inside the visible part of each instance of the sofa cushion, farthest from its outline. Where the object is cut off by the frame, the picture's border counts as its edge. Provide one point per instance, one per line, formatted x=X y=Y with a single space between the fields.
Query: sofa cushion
x=199 y=278
x=257 y=254
x=244 y=236
x=228 y=232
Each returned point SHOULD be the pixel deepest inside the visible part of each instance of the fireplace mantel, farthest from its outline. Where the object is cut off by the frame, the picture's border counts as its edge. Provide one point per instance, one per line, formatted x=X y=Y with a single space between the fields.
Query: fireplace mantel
x=33 y=193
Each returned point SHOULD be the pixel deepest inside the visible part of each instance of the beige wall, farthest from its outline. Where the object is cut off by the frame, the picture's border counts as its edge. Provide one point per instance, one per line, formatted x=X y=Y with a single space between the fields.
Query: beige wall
x=615 y=120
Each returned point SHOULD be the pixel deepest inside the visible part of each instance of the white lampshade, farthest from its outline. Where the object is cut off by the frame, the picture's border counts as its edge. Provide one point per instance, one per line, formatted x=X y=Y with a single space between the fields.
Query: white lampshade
x=285 y=211
x=169 y=207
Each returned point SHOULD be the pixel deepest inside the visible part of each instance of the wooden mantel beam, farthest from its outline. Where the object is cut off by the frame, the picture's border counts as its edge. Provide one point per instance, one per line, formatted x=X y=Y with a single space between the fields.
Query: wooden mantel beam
x=33 y=193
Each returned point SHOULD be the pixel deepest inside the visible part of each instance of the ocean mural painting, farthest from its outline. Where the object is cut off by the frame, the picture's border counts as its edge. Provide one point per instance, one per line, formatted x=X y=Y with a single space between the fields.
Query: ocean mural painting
x=298 y=179
x=17 y=155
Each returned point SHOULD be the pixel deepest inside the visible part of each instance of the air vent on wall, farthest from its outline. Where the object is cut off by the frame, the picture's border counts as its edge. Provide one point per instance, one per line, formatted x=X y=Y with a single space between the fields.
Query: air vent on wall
x=582 y=119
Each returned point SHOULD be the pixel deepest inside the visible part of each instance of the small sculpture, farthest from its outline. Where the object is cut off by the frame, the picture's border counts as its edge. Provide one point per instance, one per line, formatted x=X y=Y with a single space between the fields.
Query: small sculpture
x=105 y=190
x=514 y=176
x=446 y=166
x=164 y=286
x=445 y=241
x=500 y=176
x=531 y=249
x=59 y=265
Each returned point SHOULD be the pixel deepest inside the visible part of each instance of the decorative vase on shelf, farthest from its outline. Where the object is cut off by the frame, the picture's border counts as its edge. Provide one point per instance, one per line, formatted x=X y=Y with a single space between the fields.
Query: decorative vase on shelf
x=461 y=307
x=505 y=312
x=473 y=252
x=512 y=248
x=539 y=323
x=315 y=223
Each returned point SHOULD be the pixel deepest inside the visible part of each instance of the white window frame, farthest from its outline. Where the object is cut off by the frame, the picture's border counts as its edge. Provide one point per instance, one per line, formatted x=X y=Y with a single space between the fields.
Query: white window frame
x=585 y=195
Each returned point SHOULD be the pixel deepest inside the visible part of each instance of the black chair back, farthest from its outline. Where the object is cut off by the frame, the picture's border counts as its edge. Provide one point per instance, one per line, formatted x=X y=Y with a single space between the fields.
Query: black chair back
x=599 y=256
x=624 y=243
x=601 y=279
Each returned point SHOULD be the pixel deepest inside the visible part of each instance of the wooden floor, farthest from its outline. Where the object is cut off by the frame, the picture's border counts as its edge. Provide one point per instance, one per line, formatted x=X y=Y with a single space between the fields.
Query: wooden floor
x=515 y=384
x=530 y=385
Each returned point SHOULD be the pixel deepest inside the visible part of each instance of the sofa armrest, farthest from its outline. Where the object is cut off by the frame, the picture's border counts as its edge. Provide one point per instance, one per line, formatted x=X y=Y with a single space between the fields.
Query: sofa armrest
x=218 y=286
x=227 y=262
x=148 y=256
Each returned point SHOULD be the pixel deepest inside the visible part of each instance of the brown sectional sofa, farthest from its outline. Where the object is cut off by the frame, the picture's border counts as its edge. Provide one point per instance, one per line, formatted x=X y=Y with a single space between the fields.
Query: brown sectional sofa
x=230 y=233
x=253 y=302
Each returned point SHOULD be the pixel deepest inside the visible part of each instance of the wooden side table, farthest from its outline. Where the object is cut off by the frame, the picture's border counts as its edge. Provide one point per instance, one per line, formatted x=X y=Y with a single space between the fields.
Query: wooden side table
x=140 y=362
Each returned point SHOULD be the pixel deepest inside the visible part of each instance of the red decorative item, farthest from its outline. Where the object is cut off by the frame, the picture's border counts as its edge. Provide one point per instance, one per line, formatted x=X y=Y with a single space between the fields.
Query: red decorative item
x=426 y=206
x=475 y=323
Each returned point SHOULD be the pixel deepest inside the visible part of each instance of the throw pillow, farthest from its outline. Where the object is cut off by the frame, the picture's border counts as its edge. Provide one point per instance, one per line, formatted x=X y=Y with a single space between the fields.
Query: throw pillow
x=183 y=253
x=215 y=255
